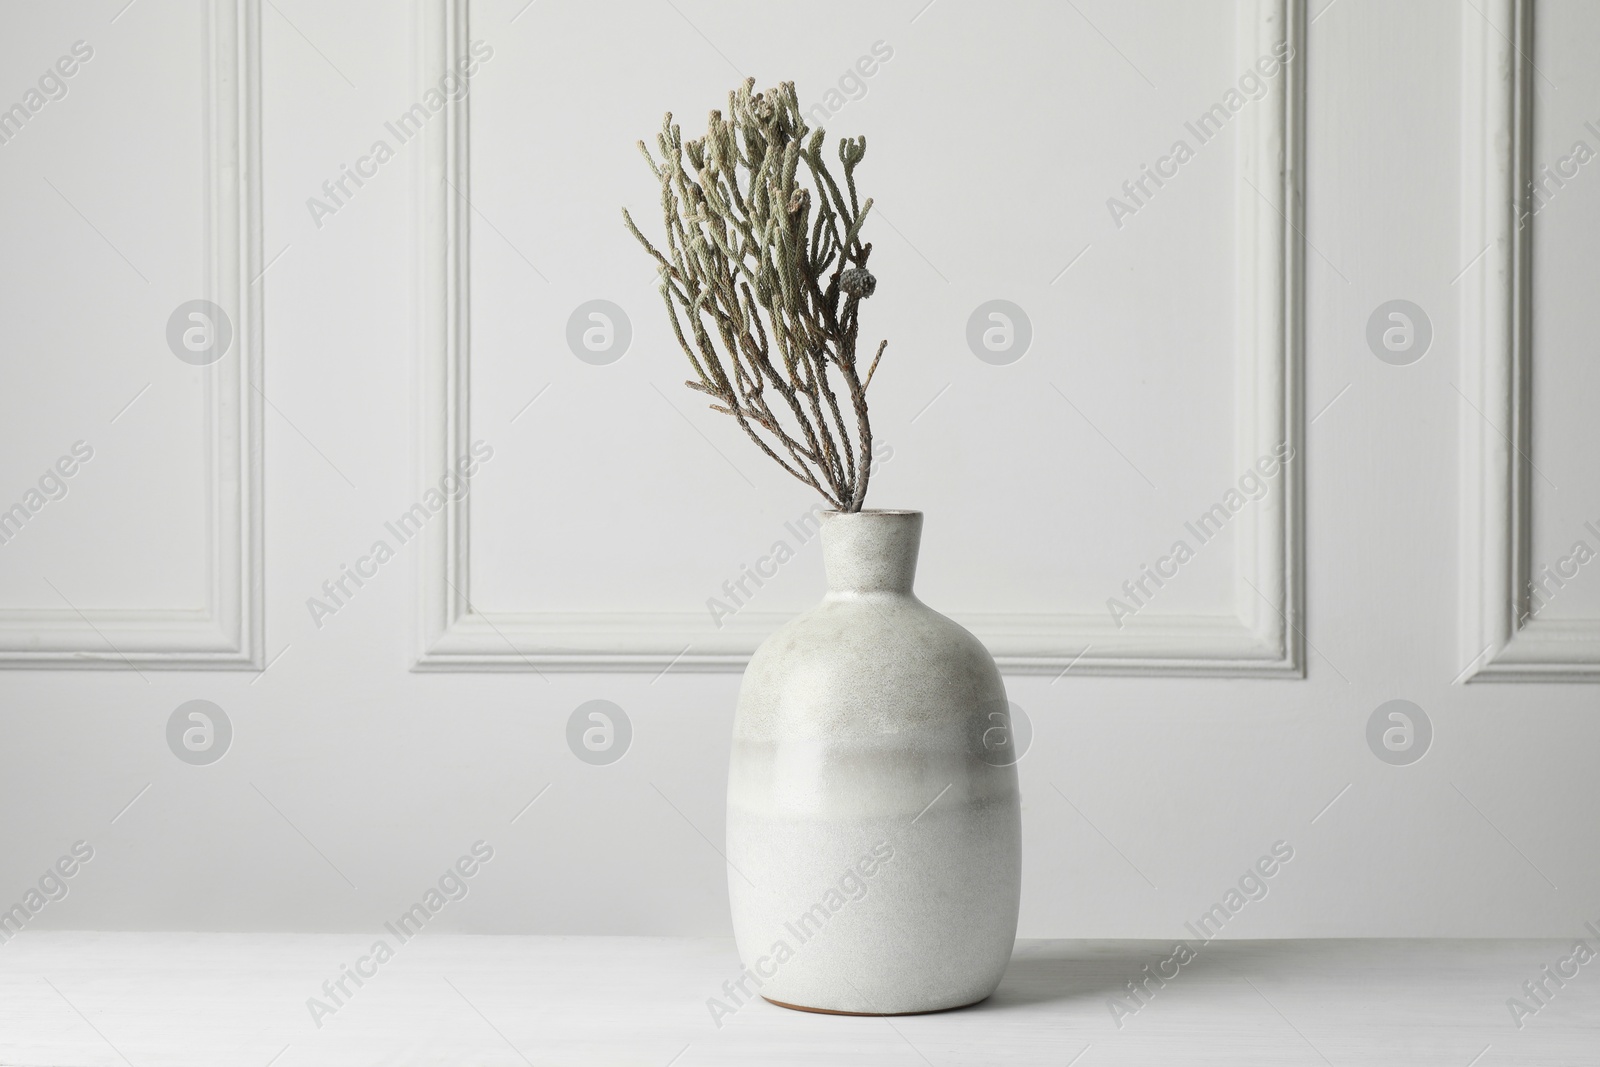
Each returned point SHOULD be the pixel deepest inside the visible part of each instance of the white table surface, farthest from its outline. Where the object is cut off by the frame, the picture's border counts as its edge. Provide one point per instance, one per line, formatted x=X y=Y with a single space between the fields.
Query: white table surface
x=222 y=999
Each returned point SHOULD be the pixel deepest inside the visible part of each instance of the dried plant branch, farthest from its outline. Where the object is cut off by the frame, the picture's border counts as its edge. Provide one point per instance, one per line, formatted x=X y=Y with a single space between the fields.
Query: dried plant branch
x=763 y=276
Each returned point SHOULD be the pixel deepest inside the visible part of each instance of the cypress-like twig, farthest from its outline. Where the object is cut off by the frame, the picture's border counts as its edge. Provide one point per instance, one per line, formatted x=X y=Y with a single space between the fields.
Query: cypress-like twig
x=763 y=278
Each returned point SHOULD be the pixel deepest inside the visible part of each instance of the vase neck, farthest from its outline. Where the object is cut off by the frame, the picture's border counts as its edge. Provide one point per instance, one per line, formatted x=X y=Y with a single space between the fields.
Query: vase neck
x=871 y=551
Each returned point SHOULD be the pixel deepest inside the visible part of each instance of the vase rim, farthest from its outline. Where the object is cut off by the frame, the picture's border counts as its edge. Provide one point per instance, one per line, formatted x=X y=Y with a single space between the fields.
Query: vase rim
x=873 y=511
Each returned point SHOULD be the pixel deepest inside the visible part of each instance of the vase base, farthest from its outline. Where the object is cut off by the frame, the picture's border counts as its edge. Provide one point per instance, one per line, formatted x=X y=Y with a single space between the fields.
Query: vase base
x=872 y=1014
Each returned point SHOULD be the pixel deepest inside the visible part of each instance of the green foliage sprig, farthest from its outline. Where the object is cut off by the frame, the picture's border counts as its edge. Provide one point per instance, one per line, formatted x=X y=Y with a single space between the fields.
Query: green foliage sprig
x=763 y=278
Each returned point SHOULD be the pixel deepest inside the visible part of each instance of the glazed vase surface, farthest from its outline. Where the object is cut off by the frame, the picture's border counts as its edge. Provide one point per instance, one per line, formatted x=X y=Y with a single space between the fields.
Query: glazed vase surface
x=874 y=829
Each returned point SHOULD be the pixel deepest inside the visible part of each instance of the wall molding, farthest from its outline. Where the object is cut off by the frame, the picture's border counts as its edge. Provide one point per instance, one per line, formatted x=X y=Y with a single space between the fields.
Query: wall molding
x=227 y=633
x=1499 y=639
x=1262 y=637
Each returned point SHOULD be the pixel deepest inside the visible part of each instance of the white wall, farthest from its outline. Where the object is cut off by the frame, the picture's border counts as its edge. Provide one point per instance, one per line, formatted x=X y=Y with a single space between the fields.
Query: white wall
x=1173 y=753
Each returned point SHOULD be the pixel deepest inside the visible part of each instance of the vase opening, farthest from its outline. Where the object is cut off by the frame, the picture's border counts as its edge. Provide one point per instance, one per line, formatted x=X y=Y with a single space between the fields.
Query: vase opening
x=871 y=551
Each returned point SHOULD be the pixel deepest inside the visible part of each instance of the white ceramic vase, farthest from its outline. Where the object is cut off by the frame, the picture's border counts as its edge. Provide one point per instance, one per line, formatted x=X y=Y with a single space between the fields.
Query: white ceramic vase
x=874 y=830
